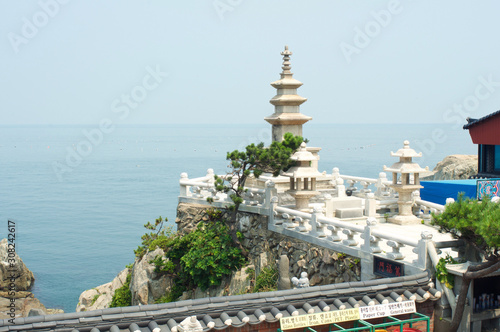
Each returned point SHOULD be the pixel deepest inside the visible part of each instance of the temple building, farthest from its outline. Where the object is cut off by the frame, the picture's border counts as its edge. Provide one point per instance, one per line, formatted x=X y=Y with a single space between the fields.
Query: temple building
x=486 y=134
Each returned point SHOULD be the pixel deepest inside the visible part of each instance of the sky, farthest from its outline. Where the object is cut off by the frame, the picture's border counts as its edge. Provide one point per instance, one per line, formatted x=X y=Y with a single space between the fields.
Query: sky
x=211 y=61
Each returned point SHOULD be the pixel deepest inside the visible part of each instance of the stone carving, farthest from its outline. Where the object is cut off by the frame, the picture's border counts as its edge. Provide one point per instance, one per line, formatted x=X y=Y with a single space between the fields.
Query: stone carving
x=190 y=324
x=284 y=277
x=303 y=282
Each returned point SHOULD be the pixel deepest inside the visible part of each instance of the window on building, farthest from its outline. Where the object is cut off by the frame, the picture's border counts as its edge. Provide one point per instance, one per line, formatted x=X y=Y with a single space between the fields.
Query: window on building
x=497 y=157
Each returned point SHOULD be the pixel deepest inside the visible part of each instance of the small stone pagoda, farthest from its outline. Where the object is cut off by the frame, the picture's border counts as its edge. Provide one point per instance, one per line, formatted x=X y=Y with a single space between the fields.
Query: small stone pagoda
x=405 y=180
x=287 y=117
x=302 y=178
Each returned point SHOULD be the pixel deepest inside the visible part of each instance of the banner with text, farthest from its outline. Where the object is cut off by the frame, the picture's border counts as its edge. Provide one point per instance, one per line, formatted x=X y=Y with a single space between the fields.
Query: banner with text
x=338 y=316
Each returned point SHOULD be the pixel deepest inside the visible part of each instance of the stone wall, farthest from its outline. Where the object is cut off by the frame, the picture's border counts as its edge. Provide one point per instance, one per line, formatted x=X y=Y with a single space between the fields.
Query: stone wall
x=324 y=266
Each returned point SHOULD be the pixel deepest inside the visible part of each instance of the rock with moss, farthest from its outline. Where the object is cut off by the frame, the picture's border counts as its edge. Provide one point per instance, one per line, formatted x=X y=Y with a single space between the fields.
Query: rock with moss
x=146 y=285
x=101 y=296
x=25 y=302
x=24 y=277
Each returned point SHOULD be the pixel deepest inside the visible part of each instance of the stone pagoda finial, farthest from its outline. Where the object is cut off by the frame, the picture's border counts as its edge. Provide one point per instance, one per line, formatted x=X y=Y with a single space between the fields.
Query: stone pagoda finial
x=287 y=117
x=286 y=62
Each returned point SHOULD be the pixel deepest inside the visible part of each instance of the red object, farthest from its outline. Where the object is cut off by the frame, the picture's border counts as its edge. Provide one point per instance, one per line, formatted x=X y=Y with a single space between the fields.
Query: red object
x=408 y=329
x=486 y=131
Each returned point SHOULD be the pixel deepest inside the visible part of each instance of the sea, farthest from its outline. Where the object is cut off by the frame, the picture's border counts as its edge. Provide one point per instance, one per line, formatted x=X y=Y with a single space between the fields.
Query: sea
x=79 y=197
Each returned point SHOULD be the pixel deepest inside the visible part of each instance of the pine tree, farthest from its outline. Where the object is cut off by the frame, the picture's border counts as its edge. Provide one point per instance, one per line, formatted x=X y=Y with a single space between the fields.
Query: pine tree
x=477 y=223
x=255 y=160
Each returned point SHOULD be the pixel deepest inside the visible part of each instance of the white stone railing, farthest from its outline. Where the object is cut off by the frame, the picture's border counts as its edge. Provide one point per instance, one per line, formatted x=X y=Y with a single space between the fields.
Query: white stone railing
x=424 y=209
x=199 y=190
x=380 y=186
x=352 y=239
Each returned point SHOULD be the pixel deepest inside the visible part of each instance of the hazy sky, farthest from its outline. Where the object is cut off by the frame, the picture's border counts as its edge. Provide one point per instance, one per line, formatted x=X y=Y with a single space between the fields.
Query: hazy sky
x=206 y=61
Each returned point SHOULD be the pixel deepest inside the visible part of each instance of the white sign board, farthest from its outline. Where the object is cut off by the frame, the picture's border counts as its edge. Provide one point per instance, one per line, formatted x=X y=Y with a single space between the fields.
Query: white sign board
x=370 y=312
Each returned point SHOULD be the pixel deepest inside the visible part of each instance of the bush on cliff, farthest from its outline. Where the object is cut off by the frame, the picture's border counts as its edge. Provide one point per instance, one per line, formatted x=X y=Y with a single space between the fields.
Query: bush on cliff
x=122 y=296
x=200 y=258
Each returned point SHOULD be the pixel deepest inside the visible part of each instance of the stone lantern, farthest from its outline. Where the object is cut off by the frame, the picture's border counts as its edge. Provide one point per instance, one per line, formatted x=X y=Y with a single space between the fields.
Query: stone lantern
x=302 y=178
x=405 y=180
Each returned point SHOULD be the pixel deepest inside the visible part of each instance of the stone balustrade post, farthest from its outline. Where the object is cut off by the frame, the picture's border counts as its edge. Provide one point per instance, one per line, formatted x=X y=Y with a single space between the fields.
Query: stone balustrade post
x=335 y=175
x=370 y=205
x=272 y=210
x=329 y=205
x=314 y=220
x=210 y=177
x=422 y=250
x=270 y=193
x=380 y=185
x=184 y=192
x=369 y=246
x=340 y=188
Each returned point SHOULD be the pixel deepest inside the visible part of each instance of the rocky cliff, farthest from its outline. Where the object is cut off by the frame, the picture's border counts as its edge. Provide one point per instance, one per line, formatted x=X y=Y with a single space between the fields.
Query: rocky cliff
x=454 y=167
x=15 y=282
x=101 y=296
x=323 y=266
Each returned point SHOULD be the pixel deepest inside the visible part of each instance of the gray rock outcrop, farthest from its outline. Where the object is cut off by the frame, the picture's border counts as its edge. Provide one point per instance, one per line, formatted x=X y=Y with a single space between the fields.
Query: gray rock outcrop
x=101 y=296
x=24 y=278
x=25 y=303
x=454 y=167
x=146 y=285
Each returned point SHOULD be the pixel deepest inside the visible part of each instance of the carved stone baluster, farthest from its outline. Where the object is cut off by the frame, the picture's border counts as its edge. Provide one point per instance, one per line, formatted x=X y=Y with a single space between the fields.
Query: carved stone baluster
x=197 y=192
x=350 y=241
x=395 y=254
x=302 y=224
x=335 y=234
x=365 y=189
x=352 y=186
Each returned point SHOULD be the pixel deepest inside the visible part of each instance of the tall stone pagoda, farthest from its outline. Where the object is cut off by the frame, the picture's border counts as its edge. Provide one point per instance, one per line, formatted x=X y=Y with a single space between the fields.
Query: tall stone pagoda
x=405 y=180
x=287 y=117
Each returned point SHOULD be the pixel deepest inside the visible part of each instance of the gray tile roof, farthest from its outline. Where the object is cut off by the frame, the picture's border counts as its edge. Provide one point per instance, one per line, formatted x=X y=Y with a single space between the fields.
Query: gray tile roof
x=239 y=310
x=472 y=122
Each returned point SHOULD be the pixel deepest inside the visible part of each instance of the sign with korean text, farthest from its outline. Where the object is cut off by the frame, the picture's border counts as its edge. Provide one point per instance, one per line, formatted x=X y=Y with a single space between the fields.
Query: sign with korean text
x=386 y=268
x=338 y=316
x=322 y=318
x=389 y=309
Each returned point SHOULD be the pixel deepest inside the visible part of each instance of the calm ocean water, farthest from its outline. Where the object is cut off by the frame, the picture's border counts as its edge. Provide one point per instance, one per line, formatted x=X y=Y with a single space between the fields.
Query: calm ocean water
x=78 y=231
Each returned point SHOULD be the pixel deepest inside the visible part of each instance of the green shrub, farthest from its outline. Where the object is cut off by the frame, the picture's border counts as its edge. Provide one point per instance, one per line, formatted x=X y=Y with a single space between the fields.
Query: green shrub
x=200 y=258
x=267 y=280
x=150 y=240
x=122 y=296
x=442 y=273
